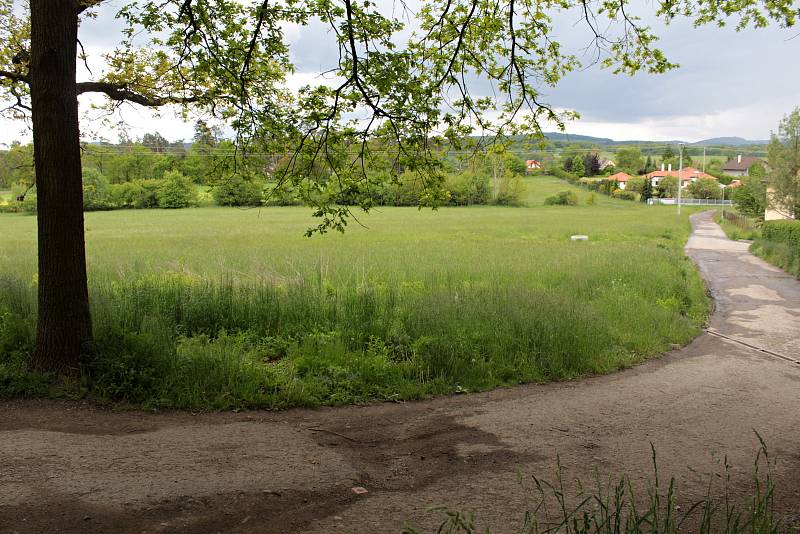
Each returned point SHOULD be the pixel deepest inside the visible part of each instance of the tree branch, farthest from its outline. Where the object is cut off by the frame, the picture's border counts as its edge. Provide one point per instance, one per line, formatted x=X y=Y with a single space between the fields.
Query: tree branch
x=13 y=76
x=122 y=94
x=83 y=5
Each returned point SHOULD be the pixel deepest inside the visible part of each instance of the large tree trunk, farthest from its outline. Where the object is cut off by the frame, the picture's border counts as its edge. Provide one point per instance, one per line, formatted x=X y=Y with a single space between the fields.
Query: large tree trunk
x=64 y=328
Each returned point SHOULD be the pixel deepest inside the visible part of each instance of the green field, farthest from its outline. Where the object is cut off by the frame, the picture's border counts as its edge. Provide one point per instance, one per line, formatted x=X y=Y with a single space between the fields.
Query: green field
x=224 y=307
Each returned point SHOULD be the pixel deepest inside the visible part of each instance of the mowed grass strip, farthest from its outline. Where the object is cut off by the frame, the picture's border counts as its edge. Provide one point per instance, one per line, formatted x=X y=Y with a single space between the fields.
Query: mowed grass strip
x=217 y=308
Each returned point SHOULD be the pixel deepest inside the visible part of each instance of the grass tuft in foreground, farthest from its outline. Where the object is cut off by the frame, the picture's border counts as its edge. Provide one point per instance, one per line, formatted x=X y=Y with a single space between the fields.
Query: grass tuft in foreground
x=615 y=507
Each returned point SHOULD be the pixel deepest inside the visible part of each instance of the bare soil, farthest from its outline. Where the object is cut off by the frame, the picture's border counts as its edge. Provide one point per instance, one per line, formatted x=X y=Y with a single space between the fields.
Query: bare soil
x=75 y=467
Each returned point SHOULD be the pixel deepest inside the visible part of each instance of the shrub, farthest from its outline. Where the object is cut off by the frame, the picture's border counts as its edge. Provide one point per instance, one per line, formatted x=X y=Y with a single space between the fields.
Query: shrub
x=704 y=188
x=468 y=188
x=562 y=198
x=15 y=205
x=607 y=186
x=237 y=191
x=511 y=191
x=175 y=191
x=96 y=191
x=591 y=199
x=750 y=198
x=624 y=194
x=285 y=194
x=635 y=185
x=558 y=172
x=138 y=194
x=783 y=232
x=780 y=245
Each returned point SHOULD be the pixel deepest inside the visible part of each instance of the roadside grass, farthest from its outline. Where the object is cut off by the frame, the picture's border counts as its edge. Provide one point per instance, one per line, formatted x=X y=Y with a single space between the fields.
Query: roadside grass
x=782 y=255
x=735 y=232
x=609 y=506
x=224 y=308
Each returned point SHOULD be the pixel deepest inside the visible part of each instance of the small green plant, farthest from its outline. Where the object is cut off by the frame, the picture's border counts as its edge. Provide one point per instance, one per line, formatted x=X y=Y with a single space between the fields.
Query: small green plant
x=615 y=507
x=562 y=198
x=591 y=199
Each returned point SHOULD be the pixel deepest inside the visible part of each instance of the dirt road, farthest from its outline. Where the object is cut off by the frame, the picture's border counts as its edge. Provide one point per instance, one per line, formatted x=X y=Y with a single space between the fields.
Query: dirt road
x=76 y=468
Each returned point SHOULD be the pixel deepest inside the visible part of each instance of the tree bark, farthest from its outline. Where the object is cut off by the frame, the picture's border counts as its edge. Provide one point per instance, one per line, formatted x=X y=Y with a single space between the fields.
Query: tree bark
x=64 y=327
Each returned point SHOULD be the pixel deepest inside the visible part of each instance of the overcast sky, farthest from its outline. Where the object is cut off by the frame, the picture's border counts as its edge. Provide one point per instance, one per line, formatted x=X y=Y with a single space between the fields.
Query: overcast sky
x=728 y=84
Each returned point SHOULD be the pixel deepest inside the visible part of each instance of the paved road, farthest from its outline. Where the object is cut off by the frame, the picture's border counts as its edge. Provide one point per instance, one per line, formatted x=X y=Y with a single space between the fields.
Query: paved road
x=76 y=468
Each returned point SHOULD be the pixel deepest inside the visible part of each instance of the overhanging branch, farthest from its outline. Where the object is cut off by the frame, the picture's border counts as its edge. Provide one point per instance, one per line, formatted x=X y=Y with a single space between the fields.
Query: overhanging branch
x=13 y=76
x=122 y=94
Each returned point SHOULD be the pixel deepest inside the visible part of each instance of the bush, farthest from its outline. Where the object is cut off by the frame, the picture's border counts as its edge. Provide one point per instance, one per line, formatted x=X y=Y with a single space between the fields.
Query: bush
x=468 y=188
x=511 y=191
x=138 y=194
x=750 y=198
x=623 y=194
x=558 y=172
x=635 y=185
x=704 y=188
x=783 y=232
x=96 y=191
x=238 y=191
x=590 y=183
x=591 y=199
x=780 y=245
x=562 y=198
x=175 y=191
x=285 y=194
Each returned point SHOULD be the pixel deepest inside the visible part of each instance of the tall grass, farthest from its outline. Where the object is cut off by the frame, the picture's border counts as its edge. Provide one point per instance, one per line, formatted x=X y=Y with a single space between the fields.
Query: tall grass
x=223 y=308
x=618 y=507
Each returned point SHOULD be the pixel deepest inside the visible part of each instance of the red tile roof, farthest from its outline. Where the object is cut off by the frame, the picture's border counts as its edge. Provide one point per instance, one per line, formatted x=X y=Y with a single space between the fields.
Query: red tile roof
x=621 y=177
x=687 y=174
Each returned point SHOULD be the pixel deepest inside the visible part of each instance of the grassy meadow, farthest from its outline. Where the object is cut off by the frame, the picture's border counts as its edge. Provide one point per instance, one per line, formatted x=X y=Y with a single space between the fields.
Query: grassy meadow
x=222 y=308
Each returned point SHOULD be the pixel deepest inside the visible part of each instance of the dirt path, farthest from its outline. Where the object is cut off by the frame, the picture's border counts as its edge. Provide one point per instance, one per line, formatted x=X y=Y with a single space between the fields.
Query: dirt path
x=76 y=468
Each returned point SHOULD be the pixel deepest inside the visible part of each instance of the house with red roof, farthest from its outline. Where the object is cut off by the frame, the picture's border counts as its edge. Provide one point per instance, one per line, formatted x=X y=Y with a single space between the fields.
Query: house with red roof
x=621 y=178
x=687 y=175
x=533 y=165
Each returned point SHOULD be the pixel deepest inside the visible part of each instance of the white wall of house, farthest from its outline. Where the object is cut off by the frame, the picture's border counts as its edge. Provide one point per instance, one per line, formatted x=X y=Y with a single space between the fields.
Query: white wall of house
x=735 y=173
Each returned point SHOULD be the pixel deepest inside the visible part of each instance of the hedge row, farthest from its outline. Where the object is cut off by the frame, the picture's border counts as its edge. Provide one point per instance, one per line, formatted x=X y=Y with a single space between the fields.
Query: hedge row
x=787 y=232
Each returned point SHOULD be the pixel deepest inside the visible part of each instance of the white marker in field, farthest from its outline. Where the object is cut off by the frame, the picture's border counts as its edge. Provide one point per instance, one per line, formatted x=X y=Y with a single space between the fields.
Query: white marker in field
x=580 y=237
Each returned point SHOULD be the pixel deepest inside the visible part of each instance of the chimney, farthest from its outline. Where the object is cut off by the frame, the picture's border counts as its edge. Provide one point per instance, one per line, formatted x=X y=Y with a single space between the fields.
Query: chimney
x=670 y=167
x=662 y=166
x=739 y=159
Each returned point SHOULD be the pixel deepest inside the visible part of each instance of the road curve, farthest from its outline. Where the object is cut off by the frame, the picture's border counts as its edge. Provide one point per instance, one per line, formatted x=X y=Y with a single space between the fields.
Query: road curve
x=75 y=468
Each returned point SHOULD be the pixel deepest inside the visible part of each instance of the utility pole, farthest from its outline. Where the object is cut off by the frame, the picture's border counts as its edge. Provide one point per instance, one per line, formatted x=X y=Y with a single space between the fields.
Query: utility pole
x=680 y=172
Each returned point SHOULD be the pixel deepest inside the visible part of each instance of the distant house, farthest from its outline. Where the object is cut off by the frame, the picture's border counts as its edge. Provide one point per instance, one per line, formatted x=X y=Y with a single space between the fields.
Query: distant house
x=740 y=165
x=621 y=178
x=606 y=163
x=687 y=175
x=533 y=165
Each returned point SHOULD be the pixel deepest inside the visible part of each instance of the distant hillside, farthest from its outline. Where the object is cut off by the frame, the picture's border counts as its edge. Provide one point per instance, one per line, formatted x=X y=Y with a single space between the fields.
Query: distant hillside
x=558 y=136
x=715 y=141
x=729 y=141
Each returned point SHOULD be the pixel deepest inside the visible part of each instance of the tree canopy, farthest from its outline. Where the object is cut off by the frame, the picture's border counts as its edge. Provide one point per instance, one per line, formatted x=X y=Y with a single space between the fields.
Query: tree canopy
x=404 y=74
